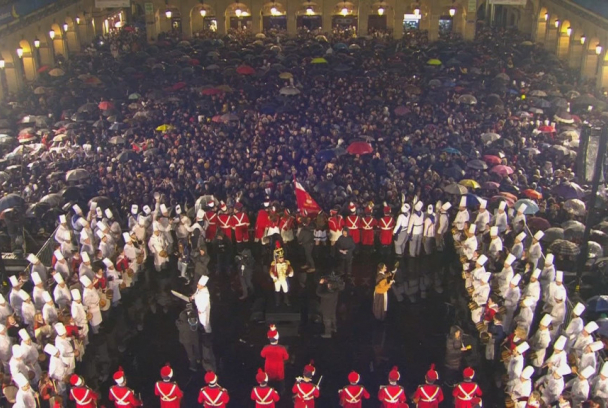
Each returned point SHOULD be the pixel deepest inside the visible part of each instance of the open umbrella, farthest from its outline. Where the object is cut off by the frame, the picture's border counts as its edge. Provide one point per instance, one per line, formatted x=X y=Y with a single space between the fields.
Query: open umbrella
x=490 y=185
x=563 y=247
x=103 y=202
x=451 y=150
x=127 y=155
x=134 y=96
x=574 y=232
x=467 y=100
x=56 y=72
x=575 y=206
x=289 y=91
x=115 y=140
x=11 y=201
x=538 y=223
x=54 y=200
x=569 y=190
x=319 y=60
x=245 y=70
x=477 y=164
x=553 y=234
x=454 y=172
x=433 y=62
x=359 y=148
x=532 y=194
x=491 y=159
x=455 y=189
x=532 y=151
x=401 y=110
x=531 y=206
x=469 y=183
x=76 y=175
x=490 y=137
x=501 y=170
x=598 y=304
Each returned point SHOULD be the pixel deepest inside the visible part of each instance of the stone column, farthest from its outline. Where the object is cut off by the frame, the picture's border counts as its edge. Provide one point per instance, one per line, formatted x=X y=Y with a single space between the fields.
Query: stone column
x=399 y=9
x=575 y=59
x=328 y=10
x=363 y=17
x=291 y=8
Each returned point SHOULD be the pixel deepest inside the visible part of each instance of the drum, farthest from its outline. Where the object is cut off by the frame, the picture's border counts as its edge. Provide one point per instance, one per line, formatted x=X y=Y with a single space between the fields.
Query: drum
x=90 y=315
x=163 y=254
x=505 y=355
x=109 y=295
x=140 y=258
x=509 y=403
x=122 y=285
x=470 y=290
x=502 y=310
x=481 y=327
x=484 y=337
x=473 y=305
x=571 y=359
x=41 y=357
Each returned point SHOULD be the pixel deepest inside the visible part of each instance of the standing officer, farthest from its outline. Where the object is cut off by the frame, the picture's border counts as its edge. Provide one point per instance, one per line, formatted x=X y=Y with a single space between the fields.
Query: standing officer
x=329 y=290
x=353 y=223
x=81 y=394
x=275 y=356
x=304 y=390
x=120 y=394
x=351 y=395
x=429 y=395
x=392 y=395
x=168 y=391
x=386 y=224
x=263 y=395
x=213 y=395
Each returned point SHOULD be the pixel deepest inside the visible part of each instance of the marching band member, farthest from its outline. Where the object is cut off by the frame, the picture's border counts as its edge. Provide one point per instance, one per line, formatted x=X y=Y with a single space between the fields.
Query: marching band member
x=547 y=276
x=336 y=224
x=430 y=394
x=483 y=216
x=65 y=347
x=115 y=228
x=415 y=229
x=584 y=339
x=58 y=369
x=120 y=394
x=469 y=246
x=443 y=225
x=392 y=395
x=579 y=386
x=169 y=392
x=467 y=394
x=90 y=300
x=353 y=223
x=14 y=298
x=535 y=252
x=85 y=268
x=518 y=247
x=37 y=290
x=519 y=220
x=480 y=297
x=263 y=395
x=512 y=297
x=63 y=235
x=61 y=266
x=495 y=247
x=462 y=217
x=79 y=314
x=368 y=224
x=26 y=397
x=599 y=385
x=516 y=362
x=61 y=293
x=559 y=357
x=576 y=325
x=521 y=388
x=304 y=390
x=588 y=358
x=114 y=281
x=30 y=353
x=274 y=356
x=133 y=217
x=213 y=395
x=49 y=311
x=428 y=233
x=37 y=267
x=280 y=270
x=83 y=396
x=533 y=289
x=500 y=219
x=400 y=231
x=241 y=226
x=225 y=221
x=540 y=341
x=352 y=395
x=158 y=246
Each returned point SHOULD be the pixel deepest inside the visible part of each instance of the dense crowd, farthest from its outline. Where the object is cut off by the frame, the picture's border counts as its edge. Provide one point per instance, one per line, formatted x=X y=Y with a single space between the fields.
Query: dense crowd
x=190 y=152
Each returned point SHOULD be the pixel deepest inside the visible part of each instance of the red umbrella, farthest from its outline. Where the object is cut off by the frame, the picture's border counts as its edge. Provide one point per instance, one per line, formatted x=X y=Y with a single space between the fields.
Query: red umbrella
x=178 y=86
x=129 y=29
x=360 y=148
x=492 y=159
x=546 y=129
x=538 y=223
x=194 y=61
x=508 y=196
x=27 y=131
x=217 y=119
x=533 y=194
x=502 y=170
x=43 y=68
x=498 y=198
x=401 y=110
x=105 y=105
x=245 y=70
x=490 y=185
x=211 y=91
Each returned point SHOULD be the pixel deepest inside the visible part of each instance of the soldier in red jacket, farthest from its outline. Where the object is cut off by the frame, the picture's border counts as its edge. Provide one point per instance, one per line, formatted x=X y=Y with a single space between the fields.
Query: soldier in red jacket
x=263 y=395
x=467 y=394
x=304 y=390
x=353 y=223
x=169 y=392
x=81 y=394
x=351 y=395
x=120 y=394
x=368 y=223
x=211 y=218
x=262 y=221
x=225 y=221
x=429 y=395
x=387 y=225
x=336 y=225
x=240 y=222
x=275 y=356
x=392 y=395
x=213 y=395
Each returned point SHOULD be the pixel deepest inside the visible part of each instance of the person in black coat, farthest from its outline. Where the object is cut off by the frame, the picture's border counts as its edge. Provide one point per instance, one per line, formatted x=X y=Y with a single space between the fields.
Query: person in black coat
x=345 y=247
x=306 y=238
x=328 y=290
x=244 y=264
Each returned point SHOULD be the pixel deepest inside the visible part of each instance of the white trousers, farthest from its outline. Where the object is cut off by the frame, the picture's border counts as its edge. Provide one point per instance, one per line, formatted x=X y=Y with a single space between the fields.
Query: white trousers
x=281 y=284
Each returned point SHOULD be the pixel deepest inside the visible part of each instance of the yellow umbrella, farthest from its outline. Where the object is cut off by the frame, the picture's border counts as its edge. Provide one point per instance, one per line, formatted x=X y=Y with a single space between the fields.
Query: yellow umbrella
x=319 y=60
x=469 y=183
x=285 y=75
x=164 y=128
x=226 y=88
x=433 y=61
x=56 y=72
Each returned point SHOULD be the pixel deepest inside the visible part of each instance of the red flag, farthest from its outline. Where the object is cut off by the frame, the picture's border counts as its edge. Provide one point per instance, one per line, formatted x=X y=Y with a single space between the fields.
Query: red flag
x=305 y=201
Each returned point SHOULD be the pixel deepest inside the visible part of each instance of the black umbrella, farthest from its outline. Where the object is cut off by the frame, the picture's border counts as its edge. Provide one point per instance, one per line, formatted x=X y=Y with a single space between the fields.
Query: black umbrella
x=54 y=200
x=11 y=201
x=127 y=155
x=103 y=202
x=72 y=193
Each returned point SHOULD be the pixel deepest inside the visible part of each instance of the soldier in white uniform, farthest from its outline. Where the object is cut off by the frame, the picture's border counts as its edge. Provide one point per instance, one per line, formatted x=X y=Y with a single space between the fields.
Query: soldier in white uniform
x=38 y=267
x=203 y=303
x=16 y=364
x=533 y=290
x=6 y=345
x=49 y=311
x=26 y=397
x=63 y=236
x=415 y=229
x=599 y=385
x=28 y=310
x=518 y=247
x=79 y=314
x=58 y=369
x=547 y=275
x=158 y=247
x=495 y=247
x=61 y=293
x=511 y=296
x=61 y=266
x=429 y=231
x=500 y=218
x=400 y=230
x=30 y=353
x=579 y=386
x=480 y=297
x=535 y=252
x=519 y=220
x=443 y=225
x=483 y=217
x=552 y=385
x=584 y=339
x=521 y=388
x=469 y=246
x=462 y=217
x=575 y=327
x=65 y=347
x=540 y=341
x=38 y=291
x=5 y=309
x=85 y=268
x=90 y=300
x=114 y=281
x=479 y=271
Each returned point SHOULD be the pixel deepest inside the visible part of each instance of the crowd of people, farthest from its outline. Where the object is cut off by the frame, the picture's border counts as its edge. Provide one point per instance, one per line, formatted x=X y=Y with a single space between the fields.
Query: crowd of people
x=430 y=158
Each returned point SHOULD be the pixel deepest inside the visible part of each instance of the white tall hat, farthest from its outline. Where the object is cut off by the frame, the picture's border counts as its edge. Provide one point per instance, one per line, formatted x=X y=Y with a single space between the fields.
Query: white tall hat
x=108 y=263
x=62 y=219
x=84 y=234
x=539 y=235
x=85 y=257
x=483 y=203
x=163 y=208
x=564 y=369
x=587 y=372
x=108 y=213
x=47 y=297
x=77 y=209
x=502 y=205
x=134 y=209
x=50 y=349
x=60 y=329
x=510 y=259
x=36 y=278
x=418 y=206
x=494 y=231
x=23 y=334
x=126 y=236
x=527 y=372
x=203 y=280
x=472 y=228
x=31 y=258
x=546 y=320
x=102 y=226
x=482 y=260
x=521 y=208
x=559 y=276
x=156 y=226
x=549 y=259
x=2 y=299
x=76 y=294
x=82 y=222
x=147 y=209
x=522 y=347
x=578 y=309
x=591 y=327
x=521 y=236
x=516 y=279
x=200 y=214
x=99 y=212
x=430 y=209
x=58 y=278
x=100 y=234
x=463 y=201
x=17 y=351
x=486 y=277
x=24 y=295
x=58 y=255
x=86 y=282
x=596 y=346
x=178 y=209
x=21 y=380
x=603 y=372
x=446 y=206
x=13 y=280
x=536 y=273
x=560 y=343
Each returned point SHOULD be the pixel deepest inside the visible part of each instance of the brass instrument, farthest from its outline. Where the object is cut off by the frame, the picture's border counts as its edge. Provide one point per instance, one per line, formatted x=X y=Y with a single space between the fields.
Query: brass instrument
x=89 y=316
x=532 y=355
x=505 y=355
x=502 y=310
x=484 y=337
x=481 y=327
x=163 y=254
x=509 y=403
x=473 y=305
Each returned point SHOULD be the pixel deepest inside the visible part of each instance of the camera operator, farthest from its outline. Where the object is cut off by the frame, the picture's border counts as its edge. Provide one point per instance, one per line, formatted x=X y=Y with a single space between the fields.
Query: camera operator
x=187 y=324
x=328 y=290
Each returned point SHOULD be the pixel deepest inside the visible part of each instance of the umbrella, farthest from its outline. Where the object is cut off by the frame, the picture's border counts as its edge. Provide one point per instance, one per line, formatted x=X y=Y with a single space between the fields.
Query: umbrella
x=490 y=185
x=401 y=110
x=54 y=200
x=177 y=86
x=289 y=91
x=127 y=155
x=11 y=201
x=546 y=129
x=319 y=60
x=477 y=165
x=531 y=206
x=360 y=148
x=538 y=93
x=532 y=151
x=60 y=137
x=538 y=223
x=575 y=206
x=574 y=232
x=40 y=90
x=451 y=150
x=245 y=70
x=469 y=183
x=455 y=189
x=72 y=193
x=103 y=202
x=569 y=135
x=467 y=100
x=56 y=72
x=285 y=75
x=433 y=62
x=76 y=175
x=595 y=250
x=134 y=96
x=454 y=172
x=501 y=170
x=164 y=128
x=498 y=198
x=598 y=304
x=472 y=200
x=116 y=140
x=490 y=159
x=532 y=194
x=151 y=152
x=563 y=117
x=553 y=234
x=229 y=117
x=560 y=150
x=490 y=137
x=563 y=247
x=569 y=190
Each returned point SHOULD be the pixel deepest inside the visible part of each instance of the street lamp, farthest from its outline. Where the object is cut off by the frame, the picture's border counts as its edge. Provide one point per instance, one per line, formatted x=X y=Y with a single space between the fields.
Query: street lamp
x=168 y=13
x=52 y=34
x=238 y=12
x=273 y=9
x=598 y=49
x=36 y=43
x=309 y=11
x=2 y=63
x=417 y=11
x=203 y=13
x=20 y=52
x=452 y=11
x=583 y=39
x=556 y=23
x=380 y=11
x=77 y=20
x=546 y=16
x=569 y=31
x=65 y=27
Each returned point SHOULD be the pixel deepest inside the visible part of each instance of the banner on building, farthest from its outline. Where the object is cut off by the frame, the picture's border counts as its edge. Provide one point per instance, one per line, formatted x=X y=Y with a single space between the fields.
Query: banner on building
x=509 y=2
x=112 y=3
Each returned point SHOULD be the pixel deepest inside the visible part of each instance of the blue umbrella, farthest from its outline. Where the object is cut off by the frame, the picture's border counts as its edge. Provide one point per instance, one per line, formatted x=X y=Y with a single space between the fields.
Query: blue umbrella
x=569 y=191
x=598 y=304
x=268 y=109
x=472 y=200
x=340 y=46
x=451 y=150
x=531 y=206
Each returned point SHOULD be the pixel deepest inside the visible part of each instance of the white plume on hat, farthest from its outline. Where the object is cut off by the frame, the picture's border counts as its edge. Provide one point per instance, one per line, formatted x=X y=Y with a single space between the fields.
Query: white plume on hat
x=21 y=380
x=23 y=334
x=24 y=295
x=13 y=280
x=77 y=209
x=418 y=206
x=527 y=372
x=62 y=219
x=521 y=208
x=31 y=258
x=108 y=263
x=47 y=297
x=200 y=215
x=60 y=329
x=446 y=206
x=564 y=369
x=597 y=345
x=84 y=234
x=108 y=213
x=58 y=278
x=603 y=372
x=126 y=236
x=163 y=208
x=587 y=372
x=147 y=209
x=536 y=273
x=50 y=349
x=102 y=226
x=485 y=278
x=483 y=203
